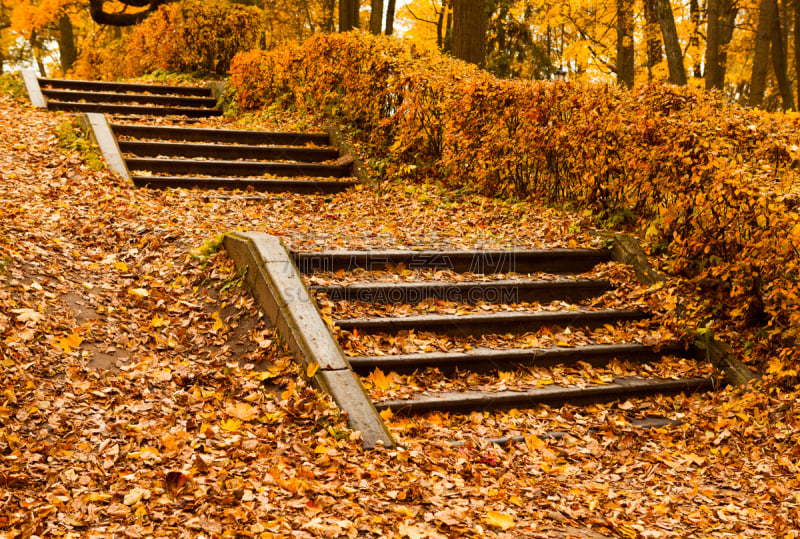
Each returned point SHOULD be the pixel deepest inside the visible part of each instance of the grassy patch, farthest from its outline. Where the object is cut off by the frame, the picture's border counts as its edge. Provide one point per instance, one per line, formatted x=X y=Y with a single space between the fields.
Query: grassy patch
x=11 y=84
x=72 y=137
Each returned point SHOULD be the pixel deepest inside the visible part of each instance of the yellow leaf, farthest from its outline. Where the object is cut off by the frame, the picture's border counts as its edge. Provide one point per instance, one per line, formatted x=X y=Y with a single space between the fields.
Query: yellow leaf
x=121 y=266
x=386 y=414
x=380 y=380
x=96 y=497
x=135 y=495
x=242 y=411
x=157 y=321
x=218 y=325
x=69 y=342
x=231 y=425
x=321 y=450
x=138 y=292
x=499 y=520
x=312 y=369
x=694 y=458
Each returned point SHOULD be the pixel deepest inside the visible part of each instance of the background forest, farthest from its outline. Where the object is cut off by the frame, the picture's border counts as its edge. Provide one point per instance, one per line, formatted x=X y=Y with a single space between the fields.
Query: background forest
x=746 y=48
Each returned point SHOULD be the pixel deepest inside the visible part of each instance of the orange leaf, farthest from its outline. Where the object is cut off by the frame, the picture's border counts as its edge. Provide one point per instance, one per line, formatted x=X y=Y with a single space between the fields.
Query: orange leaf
x=69 y=342
x=499 y=520
x=242 y=411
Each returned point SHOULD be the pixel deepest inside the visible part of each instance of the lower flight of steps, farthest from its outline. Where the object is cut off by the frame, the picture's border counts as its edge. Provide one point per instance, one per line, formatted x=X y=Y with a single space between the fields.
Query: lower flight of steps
x=121 y=98
x=455 y=302
x=169 y=156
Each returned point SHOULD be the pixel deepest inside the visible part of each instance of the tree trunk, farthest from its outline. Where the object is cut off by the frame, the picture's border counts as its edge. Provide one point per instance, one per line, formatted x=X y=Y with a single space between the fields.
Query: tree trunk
x=672 y=46
x=758 y=76
x=376 y=17
x=625 y=60
x=390 y=17
x=66 y=43
x=694 y=38
x=727 y=24
x=715 y=74
x=797 y=47
x=440 y=27
x=652 y=36
x=37 y=54
x=779 y=64
x=329 y=15
x=469 y=31
x=348 y=15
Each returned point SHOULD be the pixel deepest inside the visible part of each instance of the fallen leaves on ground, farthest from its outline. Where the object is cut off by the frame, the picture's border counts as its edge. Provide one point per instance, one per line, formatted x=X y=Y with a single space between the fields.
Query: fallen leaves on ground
x=124 y=411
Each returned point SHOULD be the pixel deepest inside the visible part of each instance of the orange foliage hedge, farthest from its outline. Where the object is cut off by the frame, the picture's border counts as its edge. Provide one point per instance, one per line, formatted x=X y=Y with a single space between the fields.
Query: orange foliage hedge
x=715 y=184
x=186 y=36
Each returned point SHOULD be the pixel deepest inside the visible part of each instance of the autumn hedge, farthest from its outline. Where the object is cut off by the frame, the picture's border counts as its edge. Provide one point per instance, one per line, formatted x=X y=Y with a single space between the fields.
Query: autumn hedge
x=189 y=36
x=712 y=183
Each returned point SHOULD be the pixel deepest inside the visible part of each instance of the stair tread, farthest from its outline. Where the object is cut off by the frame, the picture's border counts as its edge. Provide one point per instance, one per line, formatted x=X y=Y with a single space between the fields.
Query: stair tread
x=66 y=96
x=557 y=355
x=216 y=135
x=164 y=89
x=620 y=388
x=147 y=110
x=479 y=261
x=275 y=185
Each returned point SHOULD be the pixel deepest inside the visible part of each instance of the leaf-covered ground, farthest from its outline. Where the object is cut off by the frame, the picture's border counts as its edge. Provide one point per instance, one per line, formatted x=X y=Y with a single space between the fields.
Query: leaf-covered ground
x=141 y=393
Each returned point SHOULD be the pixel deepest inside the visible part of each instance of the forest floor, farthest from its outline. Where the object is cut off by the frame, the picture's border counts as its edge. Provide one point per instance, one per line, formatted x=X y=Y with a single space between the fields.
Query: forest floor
x=142 y=394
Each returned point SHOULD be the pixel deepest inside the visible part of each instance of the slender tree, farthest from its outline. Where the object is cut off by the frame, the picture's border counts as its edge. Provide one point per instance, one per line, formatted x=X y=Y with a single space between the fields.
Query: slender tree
x=779 y=64
x=469 y=31
x=390 y=6
x=348 y=15
x=672 y=45
x=714 y=71
x=625 y=57
x=376 y=17
x=797 y=48
x=66 y=43
x=758 y=77
x=652 y=36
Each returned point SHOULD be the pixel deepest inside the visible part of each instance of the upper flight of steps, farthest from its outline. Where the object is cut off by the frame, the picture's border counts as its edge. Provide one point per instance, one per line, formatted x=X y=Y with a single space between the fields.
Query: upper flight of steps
x=170 y=156
x=116 y=98
x=461 y=331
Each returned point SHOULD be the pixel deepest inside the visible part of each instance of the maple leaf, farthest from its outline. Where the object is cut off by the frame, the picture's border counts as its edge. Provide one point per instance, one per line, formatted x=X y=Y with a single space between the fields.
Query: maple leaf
x=380 y=380
x=69 y=342
x=28 y=315
x=242 y=411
